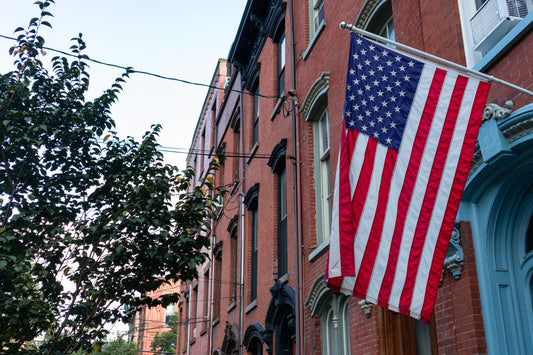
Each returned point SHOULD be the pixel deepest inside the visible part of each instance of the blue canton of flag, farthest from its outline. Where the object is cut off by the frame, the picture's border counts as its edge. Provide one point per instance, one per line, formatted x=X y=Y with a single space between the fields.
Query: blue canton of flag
x=380 y=89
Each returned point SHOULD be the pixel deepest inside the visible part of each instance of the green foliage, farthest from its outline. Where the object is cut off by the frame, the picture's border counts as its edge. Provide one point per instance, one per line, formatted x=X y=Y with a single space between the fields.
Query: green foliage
x=88 y=222
x=166 y=341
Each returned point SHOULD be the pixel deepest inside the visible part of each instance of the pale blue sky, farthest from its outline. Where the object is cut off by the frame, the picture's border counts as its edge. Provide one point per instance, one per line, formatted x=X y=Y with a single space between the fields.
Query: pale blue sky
x=175 y=38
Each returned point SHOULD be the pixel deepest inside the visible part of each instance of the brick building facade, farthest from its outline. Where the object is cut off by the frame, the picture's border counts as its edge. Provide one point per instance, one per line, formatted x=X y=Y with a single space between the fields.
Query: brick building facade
x=278 y=118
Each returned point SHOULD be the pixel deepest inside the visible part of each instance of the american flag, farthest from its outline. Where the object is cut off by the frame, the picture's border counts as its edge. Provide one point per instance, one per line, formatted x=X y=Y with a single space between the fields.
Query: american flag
x=409 y=133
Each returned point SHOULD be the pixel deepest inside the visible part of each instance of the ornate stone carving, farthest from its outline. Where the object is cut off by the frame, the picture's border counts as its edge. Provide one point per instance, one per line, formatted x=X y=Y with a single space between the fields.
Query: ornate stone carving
x=366 y=307
x=493 y=111
x=454 y=259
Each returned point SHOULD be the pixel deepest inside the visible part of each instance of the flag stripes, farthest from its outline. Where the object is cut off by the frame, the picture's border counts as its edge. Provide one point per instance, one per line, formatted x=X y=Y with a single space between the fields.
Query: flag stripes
x=394 y=210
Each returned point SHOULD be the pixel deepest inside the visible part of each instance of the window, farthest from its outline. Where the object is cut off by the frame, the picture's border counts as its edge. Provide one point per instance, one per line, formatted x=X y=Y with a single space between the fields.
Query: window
x=335 y=338
x=315 y=111
x=255 y=115
x=235 y=124
x=317 y=15
x=169 y=312
x=322 y=175
x=214 y=124
x=194 y=318
x=388 y=30
x=253 y=256
x=485 y=22
x=251 y=202
x=233 y=227
x=280 y=87
x=277 y=163
x=217 y=274
x=332 y=309
x=202 y=154
x=206 y=299
x=282 y=222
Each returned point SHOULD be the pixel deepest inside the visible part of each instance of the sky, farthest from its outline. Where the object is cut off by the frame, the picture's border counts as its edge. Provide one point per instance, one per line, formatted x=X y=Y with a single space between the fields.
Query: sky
x=175 y=38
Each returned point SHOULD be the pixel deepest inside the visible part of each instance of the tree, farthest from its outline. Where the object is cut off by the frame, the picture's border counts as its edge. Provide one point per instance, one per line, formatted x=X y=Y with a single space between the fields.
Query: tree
x=88 y=222
x=166 y=341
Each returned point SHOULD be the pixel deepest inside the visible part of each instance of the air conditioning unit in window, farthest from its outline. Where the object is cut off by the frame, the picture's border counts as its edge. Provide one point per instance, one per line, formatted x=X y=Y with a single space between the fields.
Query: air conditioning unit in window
x=494 y=19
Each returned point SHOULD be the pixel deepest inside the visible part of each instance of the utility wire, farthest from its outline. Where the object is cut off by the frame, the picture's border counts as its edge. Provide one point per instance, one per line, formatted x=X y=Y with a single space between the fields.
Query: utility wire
x=159 y=76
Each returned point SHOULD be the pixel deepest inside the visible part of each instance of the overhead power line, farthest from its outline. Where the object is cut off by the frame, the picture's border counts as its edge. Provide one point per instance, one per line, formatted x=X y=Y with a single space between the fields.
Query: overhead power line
x=159 y=76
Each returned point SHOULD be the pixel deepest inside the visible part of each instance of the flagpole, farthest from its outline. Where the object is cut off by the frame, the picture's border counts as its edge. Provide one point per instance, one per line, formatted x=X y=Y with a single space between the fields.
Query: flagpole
x=343 y=25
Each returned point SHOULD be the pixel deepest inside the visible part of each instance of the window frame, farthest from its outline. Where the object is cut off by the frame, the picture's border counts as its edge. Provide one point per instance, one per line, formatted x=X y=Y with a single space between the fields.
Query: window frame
x=255 y=114
x=280 y=65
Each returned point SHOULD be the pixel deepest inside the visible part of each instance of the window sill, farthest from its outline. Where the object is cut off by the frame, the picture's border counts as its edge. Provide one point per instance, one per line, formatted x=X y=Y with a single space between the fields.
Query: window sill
x=215 y=322
x=277 y=108
x=192 y=341
x=284 y=279
x=314 y=40
x=251 y=306
x=252 y=152
x=232 y=306
x=319 y=250
x=203 y=332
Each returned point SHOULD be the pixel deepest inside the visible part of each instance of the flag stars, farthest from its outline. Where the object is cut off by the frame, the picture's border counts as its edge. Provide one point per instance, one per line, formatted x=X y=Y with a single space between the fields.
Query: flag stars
x=367 y=62
x=352 y=72
x=380 y=67
x=393 y=73
x=352 y=97
x=398 y=58
x=406 y=78
x=402 y=68
x=376 y=135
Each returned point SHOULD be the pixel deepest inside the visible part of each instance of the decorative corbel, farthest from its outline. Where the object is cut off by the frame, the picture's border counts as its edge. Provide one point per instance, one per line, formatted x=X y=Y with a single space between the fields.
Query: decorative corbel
x=366 y=307
x=454 y=259
x=494 y=111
